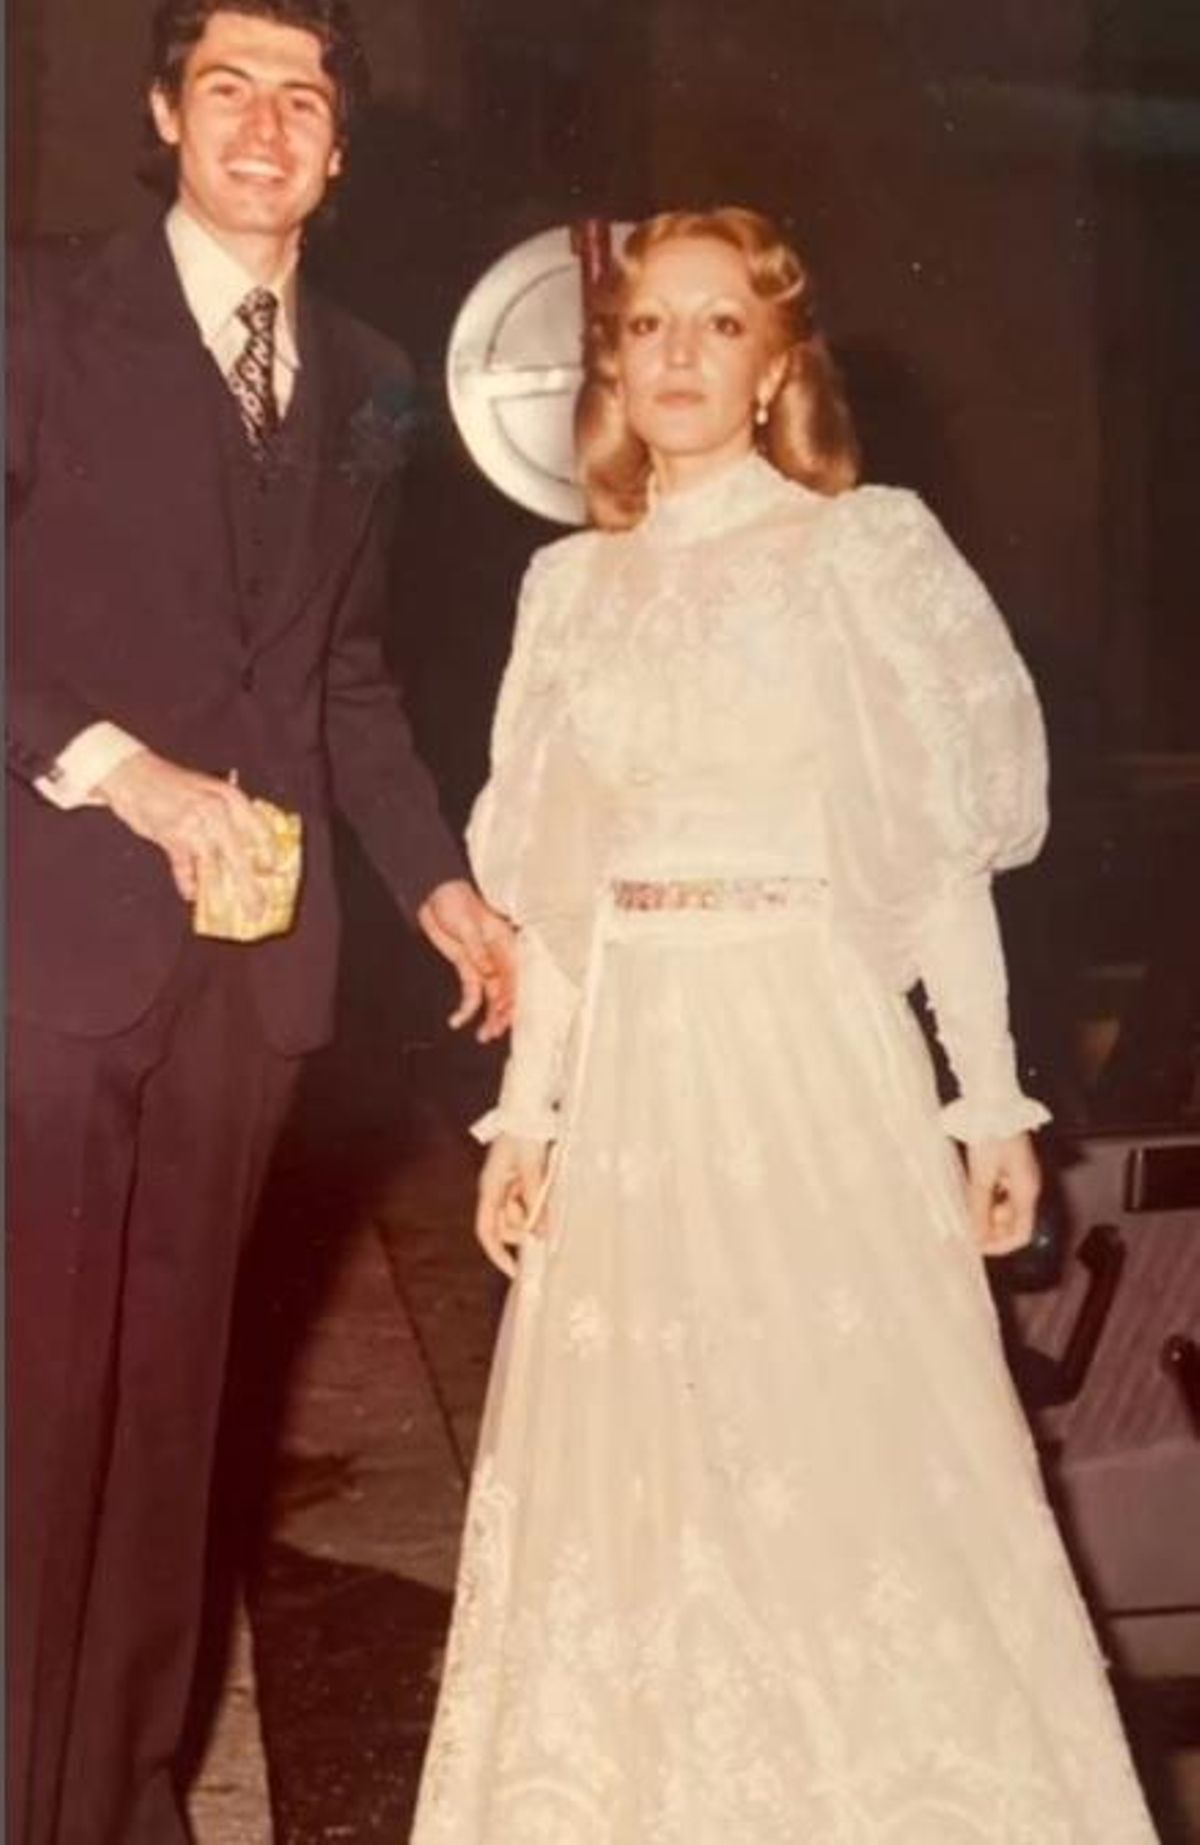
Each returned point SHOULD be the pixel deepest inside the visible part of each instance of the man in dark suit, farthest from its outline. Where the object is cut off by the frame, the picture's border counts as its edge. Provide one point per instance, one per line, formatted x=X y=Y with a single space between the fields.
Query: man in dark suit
x=198 y=461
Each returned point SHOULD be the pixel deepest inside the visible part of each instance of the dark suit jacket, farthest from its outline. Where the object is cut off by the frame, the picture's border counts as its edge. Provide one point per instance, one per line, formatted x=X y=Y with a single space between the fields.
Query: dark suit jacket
x=125 y=602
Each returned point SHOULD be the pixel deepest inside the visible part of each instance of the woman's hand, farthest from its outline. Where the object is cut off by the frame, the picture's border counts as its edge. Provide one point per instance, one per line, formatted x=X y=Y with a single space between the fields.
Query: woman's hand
x=511 y=1189
x=1003 y=1182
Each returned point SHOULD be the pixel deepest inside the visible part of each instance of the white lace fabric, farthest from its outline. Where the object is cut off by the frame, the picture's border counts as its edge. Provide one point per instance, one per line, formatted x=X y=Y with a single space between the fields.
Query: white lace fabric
x=759 y=682
x=756 y=1551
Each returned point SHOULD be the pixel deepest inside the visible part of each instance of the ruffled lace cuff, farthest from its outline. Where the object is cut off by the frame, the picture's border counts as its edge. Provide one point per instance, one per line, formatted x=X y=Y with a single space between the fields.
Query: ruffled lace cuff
x=969 y=1120
x=522 y=1124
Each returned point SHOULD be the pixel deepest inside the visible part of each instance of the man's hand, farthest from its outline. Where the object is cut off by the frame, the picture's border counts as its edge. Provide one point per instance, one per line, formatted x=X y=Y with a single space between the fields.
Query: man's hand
x=198 y=821
x=1003 y=1182
x=479 y=945
x=512 y=1189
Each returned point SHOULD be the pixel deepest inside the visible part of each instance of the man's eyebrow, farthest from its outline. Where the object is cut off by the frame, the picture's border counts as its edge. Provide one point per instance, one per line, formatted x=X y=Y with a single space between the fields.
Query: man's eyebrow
x=309 y=86
x=312 y=87
x=220 y=68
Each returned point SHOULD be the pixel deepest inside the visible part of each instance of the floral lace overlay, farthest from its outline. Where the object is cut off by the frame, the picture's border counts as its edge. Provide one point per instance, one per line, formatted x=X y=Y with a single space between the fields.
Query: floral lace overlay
x=759 y=683
x=757 y=1552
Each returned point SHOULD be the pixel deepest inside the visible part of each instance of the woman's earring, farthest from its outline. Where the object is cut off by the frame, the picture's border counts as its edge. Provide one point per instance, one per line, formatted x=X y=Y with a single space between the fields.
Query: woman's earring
x=762 y=412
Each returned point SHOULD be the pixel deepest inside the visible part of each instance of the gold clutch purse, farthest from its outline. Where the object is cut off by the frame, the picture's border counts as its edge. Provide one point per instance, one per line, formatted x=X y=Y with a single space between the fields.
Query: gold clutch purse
x=221 y=912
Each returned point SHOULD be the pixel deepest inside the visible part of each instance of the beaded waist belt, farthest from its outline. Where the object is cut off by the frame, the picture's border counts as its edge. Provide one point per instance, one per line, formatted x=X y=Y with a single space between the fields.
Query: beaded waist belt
x=710 y=893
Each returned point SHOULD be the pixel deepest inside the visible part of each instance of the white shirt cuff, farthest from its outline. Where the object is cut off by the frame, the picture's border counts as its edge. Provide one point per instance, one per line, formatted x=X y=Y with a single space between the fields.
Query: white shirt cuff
x=84 y=763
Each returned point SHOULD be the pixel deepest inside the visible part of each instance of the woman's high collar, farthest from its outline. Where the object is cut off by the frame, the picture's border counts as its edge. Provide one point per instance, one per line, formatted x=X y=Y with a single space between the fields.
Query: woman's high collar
x=718 y=503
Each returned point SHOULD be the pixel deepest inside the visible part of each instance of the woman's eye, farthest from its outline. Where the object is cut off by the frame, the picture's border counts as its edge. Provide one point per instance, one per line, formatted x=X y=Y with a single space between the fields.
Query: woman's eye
x=730 y=326
x=639 y=325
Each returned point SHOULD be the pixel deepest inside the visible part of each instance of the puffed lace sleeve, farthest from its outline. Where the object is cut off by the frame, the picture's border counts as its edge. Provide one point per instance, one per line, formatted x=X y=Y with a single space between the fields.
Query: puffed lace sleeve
x=938 y=780
x=535 y=840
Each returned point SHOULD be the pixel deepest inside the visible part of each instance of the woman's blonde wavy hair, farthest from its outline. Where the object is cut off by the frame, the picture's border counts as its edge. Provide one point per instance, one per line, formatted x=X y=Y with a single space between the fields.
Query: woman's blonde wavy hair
x=808 y=434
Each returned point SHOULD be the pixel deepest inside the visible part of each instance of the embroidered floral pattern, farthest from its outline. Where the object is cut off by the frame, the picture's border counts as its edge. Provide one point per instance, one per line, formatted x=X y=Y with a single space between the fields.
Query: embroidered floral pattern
x=756 y=1552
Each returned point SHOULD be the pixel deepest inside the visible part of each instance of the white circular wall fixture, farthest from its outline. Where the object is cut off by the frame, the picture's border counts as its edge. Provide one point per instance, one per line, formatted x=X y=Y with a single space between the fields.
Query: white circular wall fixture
x=513 y=369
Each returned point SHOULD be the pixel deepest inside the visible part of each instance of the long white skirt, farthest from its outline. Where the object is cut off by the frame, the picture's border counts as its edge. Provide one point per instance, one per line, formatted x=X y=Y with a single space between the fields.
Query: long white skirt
x=757 y=1550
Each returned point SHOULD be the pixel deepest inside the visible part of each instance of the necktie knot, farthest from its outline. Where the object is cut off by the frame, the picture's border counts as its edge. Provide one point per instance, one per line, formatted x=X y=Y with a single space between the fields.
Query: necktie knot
x=252 y=378
x=257 y=312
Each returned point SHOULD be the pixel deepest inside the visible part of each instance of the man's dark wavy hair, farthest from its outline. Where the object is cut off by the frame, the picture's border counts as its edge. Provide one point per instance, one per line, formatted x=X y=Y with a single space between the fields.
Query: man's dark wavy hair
x=179 y=25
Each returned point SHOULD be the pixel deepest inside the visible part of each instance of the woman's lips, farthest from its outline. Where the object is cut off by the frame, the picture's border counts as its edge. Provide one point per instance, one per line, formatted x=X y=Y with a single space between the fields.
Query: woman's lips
x=678 y=395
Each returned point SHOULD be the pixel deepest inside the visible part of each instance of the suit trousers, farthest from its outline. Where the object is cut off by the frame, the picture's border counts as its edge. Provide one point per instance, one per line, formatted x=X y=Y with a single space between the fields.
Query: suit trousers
x=135 y=1164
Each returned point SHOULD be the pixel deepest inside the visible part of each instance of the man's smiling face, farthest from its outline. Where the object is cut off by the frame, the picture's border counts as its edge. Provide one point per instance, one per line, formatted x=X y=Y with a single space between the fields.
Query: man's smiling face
x=255 y=124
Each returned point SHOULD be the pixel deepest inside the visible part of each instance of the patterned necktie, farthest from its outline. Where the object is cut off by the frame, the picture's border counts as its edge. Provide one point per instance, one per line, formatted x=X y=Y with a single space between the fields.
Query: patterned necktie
x=252 y=375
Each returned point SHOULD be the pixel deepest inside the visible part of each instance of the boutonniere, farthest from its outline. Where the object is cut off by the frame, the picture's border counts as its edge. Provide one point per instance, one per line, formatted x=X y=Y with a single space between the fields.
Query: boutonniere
x=382 y=430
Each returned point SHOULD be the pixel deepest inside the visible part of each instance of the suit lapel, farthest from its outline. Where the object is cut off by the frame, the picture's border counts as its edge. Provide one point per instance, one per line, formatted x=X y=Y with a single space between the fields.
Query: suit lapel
x=147 y=423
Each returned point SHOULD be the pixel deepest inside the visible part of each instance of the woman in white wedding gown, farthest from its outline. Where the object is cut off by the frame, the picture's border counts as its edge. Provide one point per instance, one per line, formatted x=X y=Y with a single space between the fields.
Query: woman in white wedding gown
x=757 y=1552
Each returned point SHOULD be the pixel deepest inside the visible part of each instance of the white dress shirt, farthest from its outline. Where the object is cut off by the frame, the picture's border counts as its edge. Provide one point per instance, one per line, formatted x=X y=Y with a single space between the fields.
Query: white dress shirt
x=214 y=284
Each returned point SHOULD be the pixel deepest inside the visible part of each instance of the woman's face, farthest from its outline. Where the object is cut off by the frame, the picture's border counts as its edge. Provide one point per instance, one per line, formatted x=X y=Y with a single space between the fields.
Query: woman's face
x=694 y=356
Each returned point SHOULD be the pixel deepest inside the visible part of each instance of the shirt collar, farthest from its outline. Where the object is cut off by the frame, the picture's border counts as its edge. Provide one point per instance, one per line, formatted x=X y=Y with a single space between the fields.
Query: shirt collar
x=214 y=283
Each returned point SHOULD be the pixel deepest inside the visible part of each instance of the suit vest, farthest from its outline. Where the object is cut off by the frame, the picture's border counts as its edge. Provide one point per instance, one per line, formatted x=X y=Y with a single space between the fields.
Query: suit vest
x=264 y=496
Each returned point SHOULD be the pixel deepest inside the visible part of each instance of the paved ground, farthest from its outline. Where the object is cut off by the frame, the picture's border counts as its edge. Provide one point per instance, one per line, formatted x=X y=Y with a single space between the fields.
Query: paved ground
x=359 y=1368
x=357 y=1384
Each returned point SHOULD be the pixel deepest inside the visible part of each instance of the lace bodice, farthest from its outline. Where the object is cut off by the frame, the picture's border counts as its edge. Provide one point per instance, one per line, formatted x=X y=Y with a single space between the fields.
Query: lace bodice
x=759 y=681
